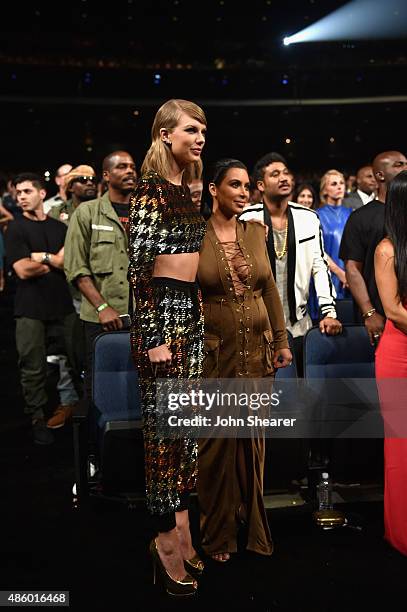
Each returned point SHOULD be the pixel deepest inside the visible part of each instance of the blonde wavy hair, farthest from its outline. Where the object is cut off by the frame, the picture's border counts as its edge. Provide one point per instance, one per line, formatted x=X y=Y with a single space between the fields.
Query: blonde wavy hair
x=324 y=180
x=159 y=155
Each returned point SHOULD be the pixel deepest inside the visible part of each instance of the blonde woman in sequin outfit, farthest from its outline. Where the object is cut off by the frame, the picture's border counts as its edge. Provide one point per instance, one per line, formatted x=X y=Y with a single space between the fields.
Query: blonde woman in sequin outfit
x=245 y=337
x=166 y=233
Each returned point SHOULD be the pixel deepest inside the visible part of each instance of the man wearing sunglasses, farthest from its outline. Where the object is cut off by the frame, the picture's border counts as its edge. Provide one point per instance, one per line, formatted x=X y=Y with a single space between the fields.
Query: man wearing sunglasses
x=80 y=186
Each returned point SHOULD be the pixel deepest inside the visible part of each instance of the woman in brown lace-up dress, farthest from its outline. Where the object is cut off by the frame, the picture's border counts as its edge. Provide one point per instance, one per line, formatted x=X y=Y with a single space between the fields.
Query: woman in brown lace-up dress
x=244 y=324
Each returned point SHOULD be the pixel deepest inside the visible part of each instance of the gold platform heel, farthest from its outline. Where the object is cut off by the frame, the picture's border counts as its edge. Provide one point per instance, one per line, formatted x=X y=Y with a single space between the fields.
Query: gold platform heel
x=194 y=566
x=178 y=588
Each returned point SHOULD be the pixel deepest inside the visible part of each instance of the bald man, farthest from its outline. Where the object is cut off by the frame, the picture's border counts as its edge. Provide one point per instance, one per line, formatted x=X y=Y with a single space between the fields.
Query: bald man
x=366 y=189
x=60 y=197
x=363 y=232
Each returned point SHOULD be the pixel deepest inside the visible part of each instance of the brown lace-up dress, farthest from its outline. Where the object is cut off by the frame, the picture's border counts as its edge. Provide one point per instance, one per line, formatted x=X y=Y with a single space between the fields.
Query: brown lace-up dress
x=244 y=324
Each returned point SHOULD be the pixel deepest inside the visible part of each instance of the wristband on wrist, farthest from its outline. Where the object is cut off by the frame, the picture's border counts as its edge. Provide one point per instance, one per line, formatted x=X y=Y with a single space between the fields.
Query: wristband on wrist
x=46 y=258
x=369 y=313
x=102 y=307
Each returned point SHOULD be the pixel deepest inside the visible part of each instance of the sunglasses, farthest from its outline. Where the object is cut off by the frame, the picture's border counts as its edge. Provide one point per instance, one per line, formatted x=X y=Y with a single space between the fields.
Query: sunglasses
x=85 y=179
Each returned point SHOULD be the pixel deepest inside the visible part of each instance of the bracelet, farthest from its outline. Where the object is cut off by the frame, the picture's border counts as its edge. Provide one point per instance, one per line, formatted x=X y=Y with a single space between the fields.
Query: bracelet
x=46 y=258
x=102 y=307
x=369 y=313
x=157 y=340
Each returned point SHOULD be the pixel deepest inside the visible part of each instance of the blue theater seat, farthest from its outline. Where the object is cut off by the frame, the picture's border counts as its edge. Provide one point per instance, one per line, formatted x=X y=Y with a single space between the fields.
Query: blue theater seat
x=348 y=355
x=345 y=410
x=117 y=418
x=115 y=389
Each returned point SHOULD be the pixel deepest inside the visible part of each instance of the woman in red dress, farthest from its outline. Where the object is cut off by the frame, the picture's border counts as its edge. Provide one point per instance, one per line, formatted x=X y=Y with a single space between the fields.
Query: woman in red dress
x=391 y=359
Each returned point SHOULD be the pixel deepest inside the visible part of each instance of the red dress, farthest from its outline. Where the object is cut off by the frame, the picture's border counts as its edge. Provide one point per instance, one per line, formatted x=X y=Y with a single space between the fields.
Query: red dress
x=391 y=363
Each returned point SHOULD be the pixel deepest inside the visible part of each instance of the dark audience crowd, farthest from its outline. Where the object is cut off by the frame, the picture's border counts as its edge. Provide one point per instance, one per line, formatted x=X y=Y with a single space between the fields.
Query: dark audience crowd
x=69 y=274
x=64 y=254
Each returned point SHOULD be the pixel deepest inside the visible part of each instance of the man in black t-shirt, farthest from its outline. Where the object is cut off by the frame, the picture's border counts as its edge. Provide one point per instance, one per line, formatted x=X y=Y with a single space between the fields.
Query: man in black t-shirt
x=43 y=304
x=363 y=232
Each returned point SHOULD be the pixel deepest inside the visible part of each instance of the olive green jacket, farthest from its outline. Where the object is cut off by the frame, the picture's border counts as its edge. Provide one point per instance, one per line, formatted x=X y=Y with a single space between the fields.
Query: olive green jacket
x=96 y=245
x=63 y=212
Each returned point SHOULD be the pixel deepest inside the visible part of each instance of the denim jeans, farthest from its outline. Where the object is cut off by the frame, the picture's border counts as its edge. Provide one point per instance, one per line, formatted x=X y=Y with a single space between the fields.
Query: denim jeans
x=66 y=388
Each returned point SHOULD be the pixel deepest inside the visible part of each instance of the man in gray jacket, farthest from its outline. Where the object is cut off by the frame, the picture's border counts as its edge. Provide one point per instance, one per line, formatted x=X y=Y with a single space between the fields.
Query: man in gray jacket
x=366 y=189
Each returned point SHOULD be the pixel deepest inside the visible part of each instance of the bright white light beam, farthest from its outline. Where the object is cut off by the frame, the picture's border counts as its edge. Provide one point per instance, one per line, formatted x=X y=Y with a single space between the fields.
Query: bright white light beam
x=358 y=20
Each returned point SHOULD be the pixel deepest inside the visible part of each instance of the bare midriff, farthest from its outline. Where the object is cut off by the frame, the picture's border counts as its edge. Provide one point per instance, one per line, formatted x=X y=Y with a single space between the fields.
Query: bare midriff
x=182 y=266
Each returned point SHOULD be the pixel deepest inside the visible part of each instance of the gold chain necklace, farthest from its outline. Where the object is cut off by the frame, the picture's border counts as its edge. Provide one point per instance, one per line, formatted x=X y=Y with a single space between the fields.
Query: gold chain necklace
x=280 y=254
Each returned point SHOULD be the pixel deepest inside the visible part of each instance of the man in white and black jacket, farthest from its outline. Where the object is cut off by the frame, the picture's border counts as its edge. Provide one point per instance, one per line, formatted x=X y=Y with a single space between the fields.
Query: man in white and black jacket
x=296 y=251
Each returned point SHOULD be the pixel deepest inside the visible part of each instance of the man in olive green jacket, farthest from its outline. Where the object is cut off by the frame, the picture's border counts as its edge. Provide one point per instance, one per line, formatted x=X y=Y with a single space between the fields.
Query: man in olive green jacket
x=96 y=254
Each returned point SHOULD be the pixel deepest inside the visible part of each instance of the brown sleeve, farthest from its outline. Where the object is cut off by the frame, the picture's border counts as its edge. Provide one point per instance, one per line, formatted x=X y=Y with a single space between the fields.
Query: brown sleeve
x=275 y=312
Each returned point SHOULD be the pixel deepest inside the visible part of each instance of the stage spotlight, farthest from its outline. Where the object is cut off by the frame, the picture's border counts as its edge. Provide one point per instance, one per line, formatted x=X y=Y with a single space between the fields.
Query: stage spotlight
x=357 y=20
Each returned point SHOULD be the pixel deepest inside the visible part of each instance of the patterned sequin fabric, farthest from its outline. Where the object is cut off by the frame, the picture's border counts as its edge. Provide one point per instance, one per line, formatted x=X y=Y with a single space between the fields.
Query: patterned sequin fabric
x=163 y=220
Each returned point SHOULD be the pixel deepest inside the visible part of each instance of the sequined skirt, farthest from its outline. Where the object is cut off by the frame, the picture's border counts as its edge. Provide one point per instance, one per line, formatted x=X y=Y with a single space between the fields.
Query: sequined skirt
x=170 y=464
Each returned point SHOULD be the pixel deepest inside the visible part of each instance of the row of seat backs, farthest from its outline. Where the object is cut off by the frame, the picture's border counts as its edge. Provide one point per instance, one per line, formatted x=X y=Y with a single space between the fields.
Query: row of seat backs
x=116 y=392
x=348 y=355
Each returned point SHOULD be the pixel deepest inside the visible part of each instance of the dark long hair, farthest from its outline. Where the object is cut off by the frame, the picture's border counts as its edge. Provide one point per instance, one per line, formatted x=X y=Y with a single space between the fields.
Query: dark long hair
x=396 y=227
x=310 y=188
x=217 y=174
x=220 y=168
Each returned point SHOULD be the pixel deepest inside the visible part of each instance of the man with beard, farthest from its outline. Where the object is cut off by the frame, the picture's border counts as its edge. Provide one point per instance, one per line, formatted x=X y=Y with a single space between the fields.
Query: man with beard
x=80 y=186
x=96 y=254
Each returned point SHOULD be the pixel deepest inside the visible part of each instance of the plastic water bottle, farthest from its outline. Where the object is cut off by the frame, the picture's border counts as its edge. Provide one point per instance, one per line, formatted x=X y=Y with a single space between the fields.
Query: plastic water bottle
x=325 y=492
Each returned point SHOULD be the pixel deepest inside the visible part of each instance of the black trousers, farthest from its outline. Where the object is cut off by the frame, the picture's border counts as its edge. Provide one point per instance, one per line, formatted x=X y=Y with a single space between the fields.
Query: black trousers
x=32 y=339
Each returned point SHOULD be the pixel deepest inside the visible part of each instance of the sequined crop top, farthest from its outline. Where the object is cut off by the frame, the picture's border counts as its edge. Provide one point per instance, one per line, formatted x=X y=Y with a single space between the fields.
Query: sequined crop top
x=163 y=221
